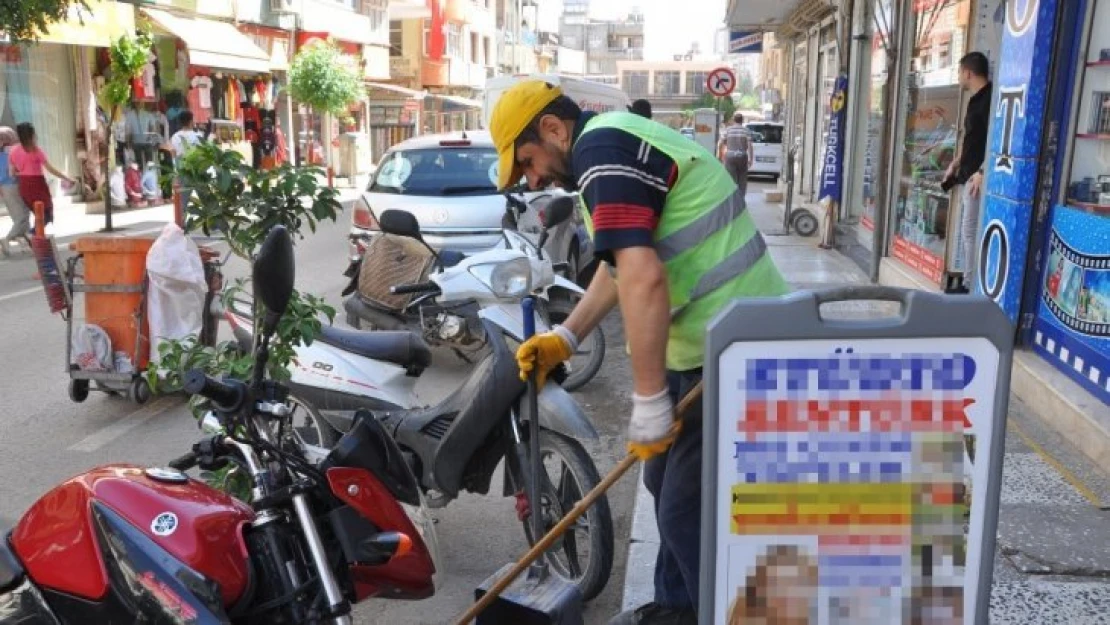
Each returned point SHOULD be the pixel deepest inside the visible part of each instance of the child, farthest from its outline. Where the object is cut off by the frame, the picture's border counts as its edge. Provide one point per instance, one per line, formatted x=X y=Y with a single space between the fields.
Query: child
x=133 y=183
x=151 y=190
x=9 y=190
x=26 y=162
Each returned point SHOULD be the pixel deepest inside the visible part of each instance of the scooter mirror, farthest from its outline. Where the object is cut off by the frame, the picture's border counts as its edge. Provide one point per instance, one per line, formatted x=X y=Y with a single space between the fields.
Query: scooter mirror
x=558 y=210
x=400 y=223
x=273 y=274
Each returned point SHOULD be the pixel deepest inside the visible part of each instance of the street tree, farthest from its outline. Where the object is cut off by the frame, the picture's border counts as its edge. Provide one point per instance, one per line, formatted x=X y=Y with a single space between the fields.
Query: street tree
x=128 y=55
x=325 y=79
x=27 y=20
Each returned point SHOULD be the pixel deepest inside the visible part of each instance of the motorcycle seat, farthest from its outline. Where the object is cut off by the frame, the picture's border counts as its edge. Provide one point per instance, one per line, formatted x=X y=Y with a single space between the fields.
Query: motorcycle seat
x=401 y=348
x=11 y=571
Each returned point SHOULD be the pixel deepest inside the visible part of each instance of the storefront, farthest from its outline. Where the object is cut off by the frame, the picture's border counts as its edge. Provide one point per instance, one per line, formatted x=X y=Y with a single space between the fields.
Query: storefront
x=395 y=112
x=449 y=113
x=50 y=84
x=219 y=74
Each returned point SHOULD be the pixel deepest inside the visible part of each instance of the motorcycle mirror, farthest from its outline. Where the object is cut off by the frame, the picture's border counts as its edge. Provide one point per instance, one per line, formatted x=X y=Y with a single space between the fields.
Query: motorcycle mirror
x=400 y=223
x=558 y=210
x=273 y=275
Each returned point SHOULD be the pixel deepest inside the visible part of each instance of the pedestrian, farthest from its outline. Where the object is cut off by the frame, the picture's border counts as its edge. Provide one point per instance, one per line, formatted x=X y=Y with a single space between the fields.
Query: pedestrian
x=186 y=137
x=736 y=145
x=672 y=226
x=641 y=107
x=967 y=167
x=9 y=190
x=27 y=163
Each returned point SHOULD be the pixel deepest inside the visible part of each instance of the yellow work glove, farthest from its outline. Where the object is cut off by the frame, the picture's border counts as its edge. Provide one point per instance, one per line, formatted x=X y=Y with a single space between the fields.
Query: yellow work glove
x=547 y=350
x=653 y=428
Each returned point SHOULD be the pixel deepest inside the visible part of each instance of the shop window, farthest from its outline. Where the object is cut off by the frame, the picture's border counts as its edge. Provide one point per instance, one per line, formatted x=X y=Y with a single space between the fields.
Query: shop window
x=695 y=83
x=1089 y=174
x=930 y=134
x=666 y=83
x=635 y=83
x=883 y=31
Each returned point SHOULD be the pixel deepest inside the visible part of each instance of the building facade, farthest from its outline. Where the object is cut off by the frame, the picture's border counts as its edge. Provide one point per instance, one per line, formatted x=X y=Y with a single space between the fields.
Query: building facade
x=672 y=87
x=605 y=42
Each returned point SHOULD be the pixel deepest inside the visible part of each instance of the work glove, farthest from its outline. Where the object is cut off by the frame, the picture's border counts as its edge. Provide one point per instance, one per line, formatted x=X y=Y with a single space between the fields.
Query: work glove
x=545 y=351
x=653 y=427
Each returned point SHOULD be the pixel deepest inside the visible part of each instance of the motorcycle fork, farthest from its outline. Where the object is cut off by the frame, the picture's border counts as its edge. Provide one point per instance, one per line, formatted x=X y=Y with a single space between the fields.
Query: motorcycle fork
x=517 y=464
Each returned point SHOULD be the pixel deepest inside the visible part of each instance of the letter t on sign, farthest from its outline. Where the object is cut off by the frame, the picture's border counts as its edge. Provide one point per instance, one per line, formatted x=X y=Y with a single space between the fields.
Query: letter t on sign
x=1011 y=104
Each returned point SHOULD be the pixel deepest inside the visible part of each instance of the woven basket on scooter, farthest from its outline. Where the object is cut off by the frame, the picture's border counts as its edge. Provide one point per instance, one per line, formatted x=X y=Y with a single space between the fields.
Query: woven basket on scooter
x=391 y=260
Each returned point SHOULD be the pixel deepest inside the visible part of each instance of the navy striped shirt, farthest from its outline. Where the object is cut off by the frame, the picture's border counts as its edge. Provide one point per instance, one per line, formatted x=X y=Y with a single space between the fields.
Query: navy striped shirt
x=624 y=181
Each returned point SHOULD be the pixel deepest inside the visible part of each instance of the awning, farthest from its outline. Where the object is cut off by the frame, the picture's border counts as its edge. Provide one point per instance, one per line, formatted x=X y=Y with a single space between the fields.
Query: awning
x=458 y=100
x=94 y=27
x=771 y=15
x=218 y=45
x=405 y=91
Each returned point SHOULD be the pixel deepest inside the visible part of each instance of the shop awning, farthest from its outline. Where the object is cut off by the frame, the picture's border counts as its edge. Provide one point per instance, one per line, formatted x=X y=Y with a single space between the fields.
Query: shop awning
x=218 y=45
x=458 y=101
x=398 y=89
x=771 y=15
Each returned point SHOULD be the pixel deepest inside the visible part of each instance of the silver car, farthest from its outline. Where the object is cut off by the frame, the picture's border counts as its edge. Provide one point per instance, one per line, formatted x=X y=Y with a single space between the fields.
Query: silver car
x=449 y=183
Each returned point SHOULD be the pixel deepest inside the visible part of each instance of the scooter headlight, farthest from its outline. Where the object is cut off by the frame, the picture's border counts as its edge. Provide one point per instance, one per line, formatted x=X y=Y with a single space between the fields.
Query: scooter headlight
x=512 y=278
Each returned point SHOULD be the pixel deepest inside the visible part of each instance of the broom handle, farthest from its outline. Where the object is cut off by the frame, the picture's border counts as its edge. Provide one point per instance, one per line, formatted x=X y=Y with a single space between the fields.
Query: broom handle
x=561 y=527
x=40 y=214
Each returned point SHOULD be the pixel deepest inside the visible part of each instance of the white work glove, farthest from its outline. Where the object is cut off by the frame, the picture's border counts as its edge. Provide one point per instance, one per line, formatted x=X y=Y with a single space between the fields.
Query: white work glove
x=653 y=427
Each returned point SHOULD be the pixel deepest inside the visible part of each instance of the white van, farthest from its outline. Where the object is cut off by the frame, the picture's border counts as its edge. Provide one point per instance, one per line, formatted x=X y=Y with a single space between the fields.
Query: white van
x=767 y=145
x=591 y=96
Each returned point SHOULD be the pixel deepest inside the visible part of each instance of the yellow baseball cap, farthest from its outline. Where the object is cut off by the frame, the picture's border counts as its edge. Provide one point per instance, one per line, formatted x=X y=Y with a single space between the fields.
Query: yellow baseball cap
x=514 y=110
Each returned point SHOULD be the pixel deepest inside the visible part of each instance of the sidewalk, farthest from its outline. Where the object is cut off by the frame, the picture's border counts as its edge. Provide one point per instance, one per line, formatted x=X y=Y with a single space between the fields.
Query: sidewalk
x=1053 y=559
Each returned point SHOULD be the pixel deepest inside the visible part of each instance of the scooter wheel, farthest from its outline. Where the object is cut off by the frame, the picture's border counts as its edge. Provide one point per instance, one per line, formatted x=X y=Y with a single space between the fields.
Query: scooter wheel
x=139 y=392
x=78 y=390
x=804 y=222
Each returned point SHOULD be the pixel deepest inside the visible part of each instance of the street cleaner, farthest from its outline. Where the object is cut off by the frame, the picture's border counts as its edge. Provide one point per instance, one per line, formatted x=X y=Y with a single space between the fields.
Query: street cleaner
x=678 y=245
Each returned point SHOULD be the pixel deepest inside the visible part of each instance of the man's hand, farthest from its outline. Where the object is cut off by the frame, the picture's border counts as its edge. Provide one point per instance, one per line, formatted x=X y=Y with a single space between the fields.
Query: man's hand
x=975 y=184
x=544 y=352
x=653 y=427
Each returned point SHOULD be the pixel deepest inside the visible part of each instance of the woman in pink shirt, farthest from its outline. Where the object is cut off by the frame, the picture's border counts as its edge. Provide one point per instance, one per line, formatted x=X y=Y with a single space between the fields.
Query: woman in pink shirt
x=27 y=162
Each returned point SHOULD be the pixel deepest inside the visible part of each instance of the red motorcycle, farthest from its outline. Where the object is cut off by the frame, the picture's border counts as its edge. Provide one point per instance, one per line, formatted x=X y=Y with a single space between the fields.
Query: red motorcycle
x=124 y=544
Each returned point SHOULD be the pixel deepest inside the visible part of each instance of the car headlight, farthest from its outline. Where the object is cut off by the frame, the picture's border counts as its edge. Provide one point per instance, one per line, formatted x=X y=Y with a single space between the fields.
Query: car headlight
x=511 y=278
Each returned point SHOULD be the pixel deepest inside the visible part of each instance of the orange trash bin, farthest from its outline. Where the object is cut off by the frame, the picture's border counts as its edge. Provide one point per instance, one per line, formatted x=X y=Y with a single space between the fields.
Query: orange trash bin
x=117 y=261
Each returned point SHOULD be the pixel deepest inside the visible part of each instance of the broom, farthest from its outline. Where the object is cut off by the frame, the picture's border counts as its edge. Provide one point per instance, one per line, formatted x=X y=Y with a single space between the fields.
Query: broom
x=46 y=256
x=537 y=550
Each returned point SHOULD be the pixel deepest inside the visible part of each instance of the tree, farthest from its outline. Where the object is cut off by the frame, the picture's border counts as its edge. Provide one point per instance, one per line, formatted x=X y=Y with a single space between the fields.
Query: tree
x=323 y=79
x=708 y=100
x=128 y=56
x=745 y=86
x=27 y=20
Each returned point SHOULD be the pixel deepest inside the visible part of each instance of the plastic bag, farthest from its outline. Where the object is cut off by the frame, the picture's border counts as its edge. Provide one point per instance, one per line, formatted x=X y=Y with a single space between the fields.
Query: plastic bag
x=175 y=296
x=91 y=348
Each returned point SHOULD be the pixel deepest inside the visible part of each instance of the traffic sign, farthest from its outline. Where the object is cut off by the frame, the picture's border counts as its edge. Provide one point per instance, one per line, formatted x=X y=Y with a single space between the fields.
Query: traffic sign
x=721 y=81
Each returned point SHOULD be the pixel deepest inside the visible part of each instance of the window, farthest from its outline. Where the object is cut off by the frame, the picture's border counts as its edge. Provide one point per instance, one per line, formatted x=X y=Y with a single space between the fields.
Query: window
x=571 y=41
x=397 y=38
x=475 y=49
x=635 y=83
x=766 y=133
x=695 y=83
x=486 y=47
x=666 y=83
x=454 y=41
x=438 y=172
x=594 y=67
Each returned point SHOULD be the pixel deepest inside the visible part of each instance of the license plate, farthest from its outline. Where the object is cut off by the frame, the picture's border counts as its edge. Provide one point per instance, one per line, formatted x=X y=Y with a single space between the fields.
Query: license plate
x=765 y=159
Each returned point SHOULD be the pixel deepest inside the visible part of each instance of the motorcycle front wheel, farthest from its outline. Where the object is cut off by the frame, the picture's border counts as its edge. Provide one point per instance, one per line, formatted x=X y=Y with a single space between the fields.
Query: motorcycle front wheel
x=584 y=556
x=586 y=362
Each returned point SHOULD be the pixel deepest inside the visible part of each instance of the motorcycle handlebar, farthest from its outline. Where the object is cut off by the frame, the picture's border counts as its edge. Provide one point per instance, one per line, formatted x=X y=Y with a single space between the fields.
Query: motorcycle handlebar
x=419 y=287
x=184 y=463
x=229 y=397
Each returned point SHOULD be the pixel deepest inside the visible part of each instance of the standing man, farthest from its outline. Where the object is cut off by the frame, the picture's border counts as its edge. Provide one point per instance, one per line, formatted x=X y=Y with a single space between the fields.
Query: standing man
x=736 y=143
x=967 y=168
x=678 y=245
x=642 y=108
x=184 y=139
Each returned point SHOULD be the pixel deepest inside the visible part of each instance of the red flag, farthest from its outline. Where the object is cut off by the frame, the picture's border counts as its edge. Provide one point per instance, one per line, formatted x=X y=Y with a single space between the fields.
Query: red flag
x=437 y=40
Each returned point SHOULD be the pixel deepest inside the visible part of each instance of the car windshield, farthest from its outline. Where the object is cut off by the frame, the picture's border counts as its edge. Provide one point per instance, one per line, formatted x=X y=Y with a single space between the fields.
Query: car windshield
x=768 y=133
x=437 y=171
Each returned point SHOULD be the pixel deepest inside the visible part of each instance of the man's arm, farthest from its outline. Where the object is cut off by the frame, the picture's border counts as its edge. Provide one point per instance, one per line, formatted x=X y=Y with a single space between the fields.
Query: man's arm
x=600 y=298
x=646 y=318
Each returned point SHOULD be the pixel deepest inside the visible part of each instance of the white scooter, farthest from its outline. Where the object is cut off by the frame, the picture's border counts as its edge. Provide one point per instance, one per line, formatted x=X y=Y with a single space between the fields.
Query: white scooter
x=457 y=444
x=448 y=315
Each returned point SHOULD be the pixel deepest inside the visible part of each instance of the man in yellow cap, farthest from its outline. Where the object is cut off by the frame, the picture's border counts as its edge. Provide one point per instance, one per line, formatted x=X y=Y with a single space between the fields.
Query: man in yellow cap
x=671 y=227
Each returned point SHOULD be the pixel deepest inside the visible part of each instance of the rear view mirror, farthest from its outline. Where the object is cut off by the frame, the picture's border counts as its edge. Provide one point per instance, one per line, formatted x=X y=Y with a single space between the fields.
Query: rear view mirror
x=400 y=223
x=273 y=274
x=558 y=210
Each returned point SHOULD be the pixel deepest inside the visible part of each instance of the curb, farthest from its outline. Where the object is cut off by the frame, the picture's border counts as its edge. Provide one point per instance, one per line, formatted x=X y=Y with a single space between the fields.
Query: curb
x=643 y=545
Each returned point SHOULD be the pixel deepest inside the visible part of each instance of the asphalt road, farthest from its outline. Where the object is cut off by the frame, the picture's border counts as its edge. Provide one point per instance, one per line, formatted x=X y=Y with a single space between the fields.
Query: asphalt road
x=47 y=438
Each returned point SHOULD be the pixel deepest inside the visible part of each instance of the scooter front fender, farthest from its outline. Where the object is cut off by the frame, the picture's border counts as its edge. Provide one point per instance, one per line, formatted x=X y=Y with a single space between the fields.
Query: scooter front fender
x=510 y=318
x=560 y=413
x=562 y=284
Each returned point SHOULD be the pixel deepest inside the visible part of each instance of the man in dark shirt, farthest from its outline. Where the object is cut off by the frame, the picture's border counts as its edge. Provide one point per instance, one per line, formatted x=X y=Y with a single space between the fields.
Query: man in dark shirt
x=967 y=168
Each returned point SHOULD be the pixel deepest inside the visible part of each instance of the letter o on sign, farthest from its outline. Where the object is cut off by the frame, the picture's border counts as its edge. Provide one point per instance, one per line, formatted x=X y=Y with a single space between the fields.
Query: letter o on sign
x=994 y=236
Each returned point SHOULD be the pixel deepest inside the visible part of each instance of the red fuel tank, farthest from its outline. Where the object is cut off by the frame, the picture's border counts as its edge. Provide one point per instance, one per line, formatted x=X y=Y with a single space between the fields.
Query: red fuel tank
x=200 y=526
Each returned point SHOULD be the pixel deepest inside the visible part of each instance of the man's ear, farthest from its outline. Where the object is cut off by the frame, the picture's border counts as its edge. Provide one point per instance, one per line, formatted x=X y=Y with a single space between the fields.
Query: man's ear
x=553 y=129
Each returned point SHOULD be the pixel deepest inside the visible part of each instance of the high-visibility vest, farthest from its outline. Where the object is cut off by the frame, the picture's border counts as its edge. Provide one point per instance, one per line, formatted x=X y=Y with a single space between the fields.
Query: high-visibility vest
x=706 y=238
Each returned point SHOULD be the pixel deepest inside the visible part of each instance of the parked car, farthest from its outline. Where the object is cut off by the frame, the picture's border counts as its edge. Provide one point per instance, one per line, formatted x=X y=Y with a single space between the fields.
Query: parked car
x=767 y=148
x=449 y=183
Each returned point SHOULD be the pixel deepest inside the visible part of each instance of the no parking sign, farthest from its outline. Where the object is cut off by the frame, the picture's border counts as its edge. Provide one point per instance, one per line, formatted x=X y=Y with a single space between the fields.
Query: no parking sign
x=837 y=456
